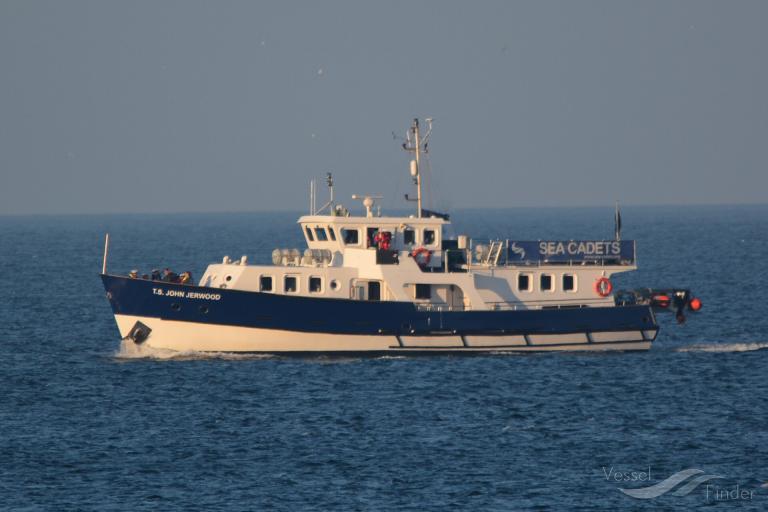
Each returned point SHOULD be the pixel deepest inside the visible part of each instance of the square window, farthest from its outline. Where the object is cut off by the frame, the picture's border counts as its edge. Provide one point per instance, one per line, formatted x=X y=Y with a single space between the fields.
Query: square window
x=429 y=237
x=315 y=284
x=409 y=237
x=423 y=291
x=350 y=236
x=569 y=282
x=320 y=234
x=524 y=282
x=290 y=284
x=265 y=284
x=546 y=282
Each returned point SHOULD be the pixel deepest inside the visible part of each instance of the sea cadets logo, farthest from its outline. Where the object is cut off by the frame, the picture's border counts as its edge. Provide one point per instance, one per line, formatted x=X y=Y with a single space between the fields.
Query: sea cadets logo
x=581 y=249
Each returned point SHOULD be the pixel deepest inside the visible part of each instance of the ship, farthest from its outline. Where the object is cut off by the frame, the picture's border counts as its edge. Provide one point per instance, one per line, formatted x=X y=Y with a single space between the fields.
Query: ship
x=369 y=283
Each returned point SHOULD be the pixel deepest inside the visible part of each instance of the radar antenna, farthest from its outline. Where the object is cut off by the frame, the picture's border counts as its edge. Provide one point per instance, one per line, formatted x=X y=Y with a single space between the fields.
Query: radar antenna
x=330 y=203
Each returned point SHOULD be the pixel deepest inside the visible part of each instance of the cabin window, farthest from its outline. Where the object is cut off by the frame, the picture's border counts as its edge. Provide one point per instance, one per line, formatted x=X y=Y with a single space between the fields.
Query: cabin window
x=335 y=285
x=569 y=282
x=409 y=237
x=545 y=282
x=429 y=237
x=309 y=235
x=315 y=284
x=371 y=236
x=290 y=284
x=320 y=234
x=265 y=283
x=524 y=282
x=332 y=233
x=423 y=291
x=350 y=236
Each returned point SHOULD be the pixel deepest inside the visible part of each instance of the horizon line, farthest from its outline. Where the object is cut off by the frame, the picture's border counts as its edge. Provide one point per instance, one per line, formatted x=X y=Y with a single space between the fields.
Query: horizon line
x=300 y=212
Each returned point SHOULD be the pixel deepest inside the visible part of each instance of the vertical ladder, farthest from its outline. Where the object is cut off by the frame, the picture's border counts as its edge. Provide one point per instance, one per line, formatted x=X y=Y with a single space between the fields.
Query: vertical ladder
x=494 y=253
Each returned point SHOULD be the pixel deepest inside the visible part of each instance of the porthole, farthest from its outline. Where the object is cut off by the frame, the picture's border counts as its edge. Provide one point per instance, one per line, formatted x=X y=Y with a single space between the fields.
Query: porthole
x=175 y=307
x=229 y=278
x=335 y=285
x=204 y=310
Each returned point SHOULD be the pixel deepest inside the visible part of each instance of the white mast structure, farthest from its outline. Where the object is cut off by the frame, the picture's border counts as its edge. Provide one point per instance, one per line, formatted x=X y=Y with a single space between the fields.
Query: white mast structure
x=417 y=145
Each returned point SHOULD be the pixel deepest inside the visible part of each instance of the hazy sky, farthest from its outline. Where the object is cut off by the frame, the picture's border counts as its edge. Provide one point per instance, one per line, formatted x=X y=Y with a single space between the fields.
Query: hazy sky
x=155 y=106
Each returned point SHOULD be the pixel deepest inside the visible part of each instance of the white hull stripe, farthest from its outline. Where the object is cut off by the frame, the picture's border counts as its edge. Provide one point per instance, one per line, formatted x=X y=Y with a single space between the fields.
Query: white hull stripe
x=199 y=337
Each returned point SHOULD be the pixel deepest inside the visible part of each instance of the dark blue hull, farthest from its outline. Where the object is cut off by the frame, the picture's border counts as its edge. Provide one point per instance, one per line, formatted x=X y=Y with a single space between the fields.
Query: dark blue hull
x=190 y=303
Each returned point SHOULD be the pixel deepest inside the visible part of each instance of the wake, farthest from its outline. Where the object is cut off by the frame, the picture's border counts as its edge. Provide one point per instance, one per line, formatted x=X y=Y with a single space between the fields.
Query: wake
x=724 y=347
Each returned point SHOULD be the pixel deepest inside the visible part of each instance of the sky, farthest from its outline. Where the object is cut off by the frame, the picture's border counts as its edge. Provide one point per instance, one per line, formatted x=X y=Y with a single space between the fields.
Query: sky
x=185 y=106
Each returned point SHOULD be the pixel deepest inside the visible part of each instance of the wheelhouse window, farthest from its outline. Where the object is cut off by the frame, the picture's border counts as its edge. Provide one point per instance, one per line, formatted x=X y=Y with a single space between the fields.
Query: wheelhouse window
x=315 y=284
x=409 y=237
x=309 y=235
x=546 y=283
x=429 y=237
x=569 y=282
x=265 y=283
x=290 y=284
x=350 y=236
x=321 y=235
x=371 y=236
x=332 y=233
x=423 y=291
x=524 y=282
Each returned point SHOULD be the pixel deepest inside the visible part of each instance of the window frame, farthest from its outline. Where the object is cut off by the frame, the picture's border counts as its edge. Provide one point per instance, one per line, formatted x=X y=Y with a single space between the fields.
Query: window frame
x=551 y=277
x=424 y=237
x=296 y=282
x=574 y=280
x=271 y=283
x=320 y=289
x=419 y=286
x=344 y=238
x=318 y=236
x=412 y=233
x=529 y=277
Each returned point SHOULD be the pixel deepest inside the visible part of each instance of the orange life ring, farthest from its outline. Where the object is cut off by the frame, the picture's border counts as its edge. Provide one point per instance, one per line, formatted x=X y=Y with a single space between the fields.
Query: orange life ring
x=422 y=251
x=603 y=287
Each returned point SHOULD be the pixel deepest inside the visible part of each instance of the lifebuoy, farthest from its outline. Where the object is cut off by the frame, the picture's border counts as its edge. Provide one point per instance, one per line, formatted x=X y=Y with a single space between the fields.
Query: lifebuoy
x=416 y=253
x=603 y=287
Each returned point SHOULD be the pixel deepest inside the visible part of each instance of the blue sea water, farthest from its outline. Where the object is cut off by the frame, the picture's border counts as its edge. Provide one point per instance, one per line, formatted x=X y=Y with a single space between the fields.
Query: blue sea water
x=86 y=426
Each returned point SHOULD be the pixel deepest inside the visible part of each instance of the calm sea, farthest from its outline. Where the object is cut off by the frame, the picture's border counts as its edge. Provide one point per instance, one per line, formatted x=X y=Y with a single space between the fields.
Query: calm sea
x=84 y=426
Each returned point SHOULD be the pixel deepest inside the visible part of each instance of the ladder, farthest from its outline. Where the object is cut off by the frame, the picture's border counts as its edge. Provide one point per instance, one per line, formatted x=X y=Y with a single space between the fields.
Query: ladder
x=494 y=253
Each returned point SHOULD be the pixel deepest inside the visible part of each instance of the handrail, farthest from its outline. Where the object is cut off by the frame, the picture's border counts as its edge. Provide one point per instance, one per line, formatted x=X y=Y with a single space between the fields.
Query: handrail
x=514 y=306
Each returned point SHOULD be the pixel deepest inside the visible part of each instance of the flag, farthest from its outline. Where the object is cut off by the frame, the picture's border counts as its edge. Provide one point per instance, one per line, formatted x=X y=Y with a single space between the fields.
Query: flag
x=617 y=220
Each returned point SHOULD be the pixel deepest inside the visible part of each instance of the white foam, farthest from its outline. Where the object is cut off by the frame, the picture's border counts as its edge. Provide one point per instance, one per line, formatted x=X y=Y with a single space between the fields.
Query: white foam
x=130 y=350
x=724 y=347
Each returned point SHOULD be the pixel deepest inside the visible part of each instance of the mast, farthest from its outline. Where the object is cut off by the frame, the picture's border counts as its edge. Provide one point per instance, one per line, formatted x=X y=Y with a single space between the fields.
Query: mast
x=418 y=174
x=415 y=144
